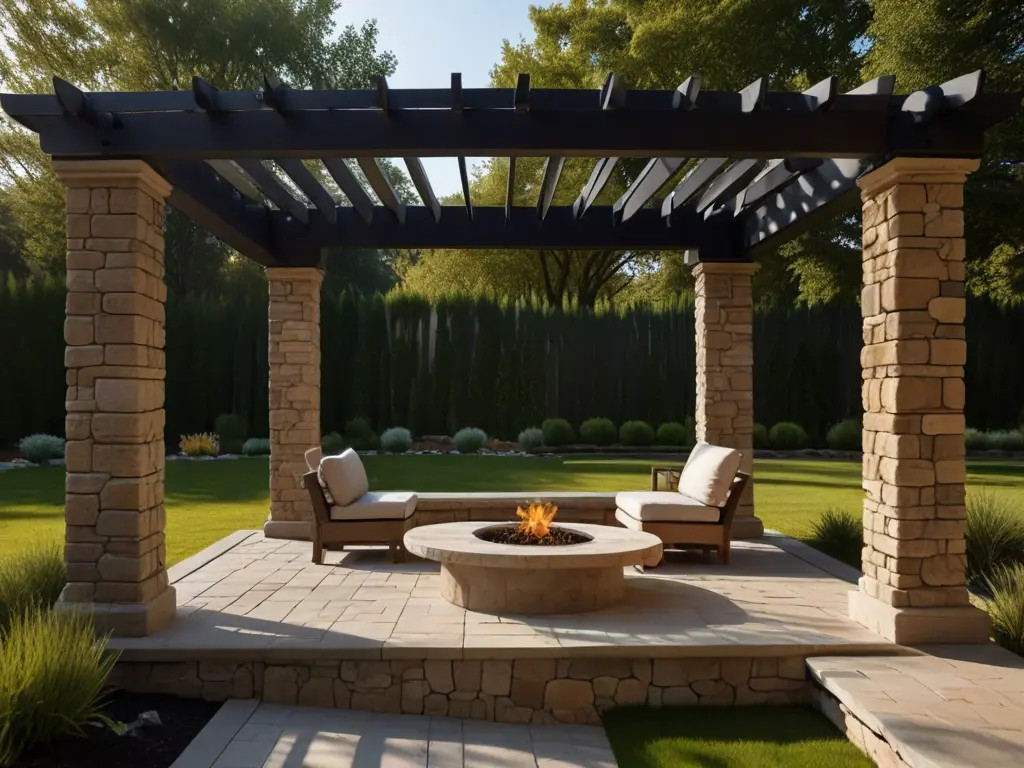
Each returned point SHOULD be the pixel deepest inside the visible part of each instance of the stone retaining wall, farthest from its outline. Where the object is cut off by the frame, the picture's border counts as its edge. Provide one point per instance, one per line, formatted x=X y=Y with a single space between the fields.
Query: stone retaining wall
x=510 y=691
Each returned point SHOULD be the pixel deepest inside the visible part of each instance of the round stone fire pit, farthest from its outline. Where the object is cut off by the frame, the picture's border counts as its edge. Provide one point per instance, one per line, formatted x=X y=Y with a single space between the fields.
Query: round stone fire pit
x=491 y=577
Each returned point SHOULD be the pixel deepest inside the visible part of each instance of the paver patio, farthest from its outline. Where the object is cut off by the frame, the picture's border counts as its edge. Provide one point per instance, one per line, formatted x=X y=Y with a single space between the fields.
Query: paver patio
x=248 y=735
x=264 y=596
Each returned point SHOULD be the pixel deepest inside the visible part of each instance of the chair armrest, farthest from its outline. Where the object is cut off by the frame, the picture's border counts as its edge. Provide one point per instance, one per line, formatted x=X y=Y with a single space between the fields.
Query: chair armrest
x=670 y=476
x=316 y=497
x=739 y=483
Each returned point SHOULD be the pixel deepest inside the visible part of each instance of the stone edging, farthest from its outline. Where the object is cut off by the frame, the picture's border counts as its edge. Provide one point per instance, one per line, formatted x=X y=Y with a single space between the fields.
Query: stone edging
x=815 y=557
x=194 y=562
x=210 y=742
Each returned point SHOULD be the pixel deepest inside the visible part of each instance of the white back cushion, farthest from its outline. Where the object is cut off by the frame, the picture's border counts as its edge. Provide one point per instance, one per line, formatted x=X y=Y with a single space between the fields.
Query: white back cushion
x=344 y=477
x=313 y=456
x=708 y=473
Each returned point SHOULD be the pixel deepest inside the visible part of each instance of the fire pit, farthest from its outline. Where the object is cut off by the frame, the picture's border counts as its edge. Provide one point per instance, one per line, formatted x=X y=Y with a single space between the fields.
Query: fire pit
x=533 y=567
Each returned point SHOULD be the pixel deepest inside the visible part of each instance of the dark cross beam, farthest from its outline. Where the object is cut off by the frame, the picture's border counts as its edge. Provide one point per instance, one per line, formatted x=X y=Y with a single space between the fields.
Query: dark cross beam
x=422 y=184
x=548 y=184
x=456 y=105
x=510 y=188
x=613 y=96
x=382 y=187
x=309 y=184
x=275 y=191
x=233 y=174
x=350 y=186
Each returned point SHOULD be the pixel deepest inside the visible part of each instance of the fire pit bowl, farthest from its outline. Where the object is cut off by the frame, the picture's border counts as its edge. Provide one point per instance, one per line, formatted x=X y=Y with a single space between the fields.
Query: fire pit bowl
x=493 y=577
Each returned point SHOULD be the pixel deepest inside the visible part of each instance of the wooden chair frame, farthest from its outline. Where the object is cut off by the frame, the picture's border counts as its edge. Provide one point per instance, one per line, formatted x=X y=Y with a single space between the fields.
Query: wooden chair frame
x=339 y=533
x=705 y=536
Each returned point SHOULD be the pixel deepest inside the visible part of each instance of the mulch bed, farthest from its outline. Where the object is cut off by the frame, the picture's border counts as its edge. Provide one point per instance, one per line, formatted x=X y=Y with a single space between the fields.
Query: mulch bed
x=154 y=747
x=509 y=534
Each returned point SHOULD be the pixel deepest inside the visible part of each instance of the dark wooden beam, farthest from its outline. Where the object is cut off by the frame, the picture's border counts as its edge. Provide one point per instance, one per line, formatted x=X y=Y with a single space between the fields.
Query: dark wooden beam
x=276 y=93
x=776 y=176
x=275 y=191
x=206 y=96
x=930 y=102
x=521 y=101
x=382 y=187
x=382 y=92
x=350 y=186
x=686 y=94
x=729 y=183
x=691 y=184
x=457 y=102
x=214 y=204
x=464 y=178
x=548 y=184
x=510 y=188
x=308 y=183
x=233 y=175
x=488 y=229
x=422 y=184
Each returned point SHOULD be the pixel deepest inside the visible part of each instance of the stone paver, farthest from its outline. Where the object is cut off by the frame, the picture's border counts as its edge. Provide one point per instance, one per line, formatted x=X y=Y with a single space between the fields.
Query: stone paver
x=952 y=707
x=265 y=595
x=276 y=736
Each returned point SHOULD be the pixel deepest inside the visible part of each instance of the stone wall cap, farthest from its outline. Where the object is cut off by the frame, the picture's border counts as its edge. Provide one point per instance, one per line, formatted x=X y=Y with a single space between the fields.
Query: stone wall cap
x=725 y=267
x=112 y=173
x=890 y=173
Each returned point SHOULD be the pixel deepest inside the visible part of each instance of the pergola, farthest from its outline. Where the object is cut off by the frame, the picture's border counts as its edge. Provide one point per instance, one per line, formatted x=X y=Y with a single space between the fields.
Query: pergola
x=248 y=165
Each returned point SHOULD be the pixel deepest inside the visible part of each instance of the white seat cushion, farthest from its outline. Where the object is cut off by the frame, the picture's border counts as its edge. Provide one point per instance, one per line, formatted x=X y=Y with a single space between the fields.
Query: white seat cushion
x=709 y=473
x=344 y=477
x=664 y=507
x=378 y=505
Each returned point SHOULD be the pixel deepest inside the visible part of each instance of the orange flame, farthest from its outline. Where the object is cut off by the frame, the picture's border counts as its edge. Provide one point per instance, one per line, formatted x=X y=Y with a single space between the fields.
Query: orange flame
x=536 y=518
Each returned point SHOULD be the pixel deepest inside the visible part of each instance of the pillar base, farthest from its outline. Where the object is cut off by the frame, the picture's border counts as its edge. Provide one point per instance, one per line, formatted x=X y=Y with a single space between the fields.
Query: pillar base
x=126 y=619
x=296 y=530
x=747 y=527
x=920 y=626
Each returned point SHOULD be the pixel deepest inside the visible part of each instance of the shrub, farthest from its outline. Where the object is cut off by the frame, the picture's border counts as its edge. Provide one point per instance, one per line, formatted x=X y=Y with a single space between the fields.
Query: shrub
x=760 y=436
x=974 y=439
x=332 y=443
x=256 y=446
x=199 y=444
x=995 y=536
x=557 y=432
x=845 y=436
x=469 y=439
x=787 y=436
x=1004 y=440
x=839 y=534
x=396 y=440
x=671 y=433
x=598 y=431
x=41 y=448
x=52 y=675
x=530 y=438
x=231 y=432
x=636 y=433
x=30 y=578
x=359 y=435
x=1006 y=606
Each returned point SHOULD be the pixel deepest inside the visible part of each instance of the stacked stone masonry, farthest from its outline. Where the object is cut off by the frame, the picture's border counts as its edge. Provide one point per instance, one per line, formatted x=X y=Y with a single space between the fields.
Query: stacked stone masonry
x=294 y=355
x=724 y=316
x=535 y=690
x=114 y=331
x=913 y=383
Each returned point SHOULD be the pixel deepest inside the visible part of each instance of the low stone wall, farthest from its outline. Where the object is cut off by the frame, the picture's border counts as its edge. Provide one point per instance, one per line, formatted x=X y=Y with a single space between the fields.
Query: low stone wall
x=870 y=743
x=531 y=690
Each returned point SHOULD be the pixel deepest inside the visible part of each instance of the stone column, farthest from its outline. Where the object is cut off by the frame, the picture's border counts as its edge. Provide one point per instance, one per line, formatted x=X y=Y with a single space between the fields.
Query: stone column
x=294 y=336
x=724 y=315
x=114 y=357
x=913 y=588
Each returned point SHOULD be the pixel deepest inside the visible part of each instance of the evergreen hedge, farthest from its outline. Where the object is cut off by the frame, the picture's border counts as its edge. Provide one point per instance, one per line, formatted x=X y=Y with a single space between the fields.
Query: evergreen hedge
x=499 y=365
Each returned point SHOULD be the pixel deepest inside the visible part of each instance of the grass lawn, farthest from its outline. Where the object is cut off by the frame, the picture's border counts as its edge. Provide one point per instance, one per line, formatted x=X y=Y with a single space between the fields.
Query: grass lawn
x=207 y=500
x=734 y=737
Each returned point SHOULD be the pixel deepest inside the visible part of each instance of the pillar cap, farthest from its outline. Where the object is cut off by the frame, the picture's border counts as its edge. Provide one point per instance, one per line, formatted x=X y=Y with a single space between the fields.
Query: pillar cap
x=295 y=273
x=122 y=174
x=725 y=268
x=918 y=170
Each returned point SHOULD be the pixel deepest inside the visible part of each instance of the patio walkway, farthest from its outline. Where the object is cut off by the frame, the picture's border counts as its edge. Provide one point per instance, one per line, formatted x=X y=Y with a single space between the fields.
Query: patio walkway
x=956 y=706
x=265 y=597
x=246 y=734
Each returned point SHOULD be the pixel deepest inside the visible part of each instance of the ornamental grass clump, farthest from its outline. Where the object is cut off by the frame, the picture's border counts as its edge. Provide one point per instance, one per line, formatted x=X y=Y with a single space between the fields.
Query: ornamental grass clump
x=31 y=578
x=469 y=440
x=839 y=534
x=974 y=439
x=1006 y=606
x=40 y=448
x=199 y=444
x=256 y=446
x=994 y=536
x=598 y=431
x=52 y=675
x=396 y=440
x=530 y=438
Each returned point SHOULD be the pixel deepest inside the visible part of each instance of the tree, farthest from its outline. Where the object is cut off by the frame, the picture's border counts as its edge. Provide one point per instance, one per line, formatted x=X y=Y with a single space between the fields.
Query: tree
x=161 y=45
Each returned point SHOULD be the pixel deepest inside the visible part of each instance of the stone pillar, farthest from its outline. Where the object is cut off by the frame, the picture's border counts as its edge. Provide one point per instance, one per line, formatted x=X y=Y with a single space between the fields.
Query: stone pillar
x=913 y=588
x=724 y=315
x=294 y=336
x=114 y=329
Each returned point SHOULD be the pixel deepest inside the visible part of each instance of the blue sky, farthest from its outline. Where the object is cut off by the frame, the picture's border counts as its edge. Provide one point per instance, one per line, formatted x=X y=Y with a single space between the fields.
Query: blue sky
x=433 y=38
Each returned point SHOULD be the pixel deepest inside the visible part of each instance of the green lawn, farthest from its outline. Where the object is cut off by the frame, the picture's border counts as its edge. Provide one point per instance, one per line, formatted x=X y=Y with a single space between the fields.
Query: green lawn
x=207 y=500
x=734 y=737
